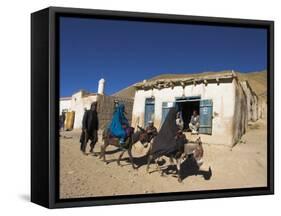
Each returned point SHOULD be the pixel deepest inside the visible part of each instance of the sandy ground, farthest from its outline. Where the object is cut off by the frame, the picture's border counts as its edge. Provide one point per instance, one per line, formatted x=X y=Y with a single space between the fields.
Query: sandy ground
x=245 y=165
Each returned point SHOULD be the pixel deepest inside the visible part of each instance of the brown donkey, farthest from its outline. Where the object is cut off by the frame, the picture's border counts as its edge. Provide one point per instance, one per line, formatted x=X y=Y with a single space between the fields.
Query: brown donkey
x=133 y=138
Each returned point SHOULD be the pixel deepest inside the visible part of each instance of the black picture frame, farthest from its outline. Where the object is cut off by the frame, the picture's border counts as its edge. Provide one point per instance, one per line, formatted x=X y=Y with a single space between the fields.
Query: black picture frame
x=45 y=106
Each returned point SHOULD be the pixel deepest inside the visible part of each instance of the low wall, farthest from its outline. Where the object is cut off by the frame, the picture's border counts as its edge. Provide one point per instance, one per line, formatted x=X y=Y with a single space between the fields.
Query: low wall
x=106 y=108
x=79 y=103
x=240 y=118
x=252 y=102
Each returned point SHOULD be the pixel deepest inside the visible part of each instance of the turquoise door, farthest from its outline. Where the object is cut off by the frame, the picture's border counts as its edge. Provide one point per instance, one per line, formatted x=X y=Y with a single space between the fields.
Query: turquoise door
x=149 y=110
x=206 y=116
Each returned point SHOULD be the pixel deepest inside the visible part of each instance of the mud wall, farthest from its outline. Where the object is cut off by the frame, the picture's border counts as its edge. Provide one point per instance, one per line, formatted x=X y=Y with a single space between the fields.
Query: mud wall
x=262 y=107
x=240 y=118
x=252 y=102
x=80 y=101
x=106 y=108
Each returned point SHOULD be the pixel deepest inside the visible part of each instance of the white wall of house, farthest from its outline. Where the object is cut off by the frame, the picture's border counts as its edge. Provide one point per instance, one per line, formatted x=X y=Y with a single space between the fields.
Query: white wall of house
x=222 y=95
x=65 y=104
x=78 y=103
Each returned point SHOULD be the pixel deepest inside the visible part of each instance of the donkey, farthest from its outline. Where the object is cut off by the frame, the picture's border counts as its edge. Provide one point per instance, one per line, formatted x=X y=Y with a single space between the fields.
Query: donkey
x=133 y=138
x=194 y=149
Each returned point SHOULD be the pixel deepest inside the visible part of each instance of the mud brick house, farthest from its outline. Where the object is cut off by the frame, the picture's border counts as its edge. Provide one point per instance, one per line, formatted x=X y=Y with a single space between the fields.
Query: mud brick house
x=225 y=104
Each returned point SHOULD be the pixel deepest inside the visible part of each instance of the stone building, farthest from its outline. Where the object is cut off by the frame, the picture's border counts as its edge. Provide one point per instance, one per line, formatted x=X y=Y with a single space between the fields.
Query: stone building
x=225 y=104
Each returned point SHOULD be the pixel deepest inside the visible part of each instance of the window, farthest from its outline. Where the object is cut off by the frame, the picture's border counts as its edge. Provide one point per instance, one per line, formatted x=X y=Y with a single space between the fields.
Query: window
x=206 y=116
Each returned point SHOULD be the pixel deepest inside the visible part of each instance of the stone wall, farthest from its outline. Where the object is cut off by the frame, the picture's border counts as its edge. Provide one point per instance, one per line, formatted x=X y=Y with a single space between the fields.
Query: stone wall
x=106 y=108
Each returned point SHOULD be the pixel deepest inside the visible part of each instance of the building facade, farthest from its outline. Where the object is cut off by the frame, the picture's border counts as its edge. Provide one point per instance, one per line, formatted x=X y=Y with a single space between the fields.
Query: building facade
x=82 y=100
x=220 y=100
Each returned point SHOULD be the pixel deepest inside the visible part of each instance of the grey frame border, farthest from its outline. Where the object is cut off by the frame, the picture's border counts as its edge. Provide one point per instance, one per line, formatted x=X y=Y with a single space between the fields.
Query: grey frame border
x=44 y=185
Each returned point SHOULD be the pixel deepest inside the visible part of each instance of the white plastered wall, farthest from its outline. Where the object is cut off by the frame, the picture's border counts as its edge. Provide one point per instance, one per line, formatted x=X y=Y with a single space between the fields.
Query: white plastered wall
x=222 y=95
x=65 y=104
x=78 y=103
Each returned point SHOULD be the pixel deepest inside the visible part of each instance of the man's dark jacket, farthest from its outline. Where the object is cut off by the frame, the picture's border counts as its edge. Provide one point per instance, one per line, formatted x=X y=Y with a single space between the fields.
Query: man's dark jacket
x=90 y=122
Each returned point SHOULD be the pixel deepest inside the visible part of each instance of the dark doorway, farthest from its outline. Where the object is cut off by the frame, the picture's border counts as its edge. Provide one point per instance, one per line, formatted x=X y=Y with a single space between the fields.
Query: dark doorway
x=186 y=108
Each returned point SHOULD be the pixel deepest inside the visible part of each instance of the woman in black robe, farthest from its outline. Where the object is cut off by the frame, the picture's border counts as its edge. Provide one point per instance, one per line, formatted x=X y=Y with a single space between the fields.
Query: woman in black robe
x=90 y=126
x=169 y=141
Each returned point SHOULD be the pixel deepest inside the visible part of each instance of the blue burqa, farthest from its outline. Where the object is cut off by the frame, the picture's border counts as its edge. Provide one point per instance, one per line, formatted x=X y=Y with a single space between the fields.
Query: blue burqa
x=118 y=120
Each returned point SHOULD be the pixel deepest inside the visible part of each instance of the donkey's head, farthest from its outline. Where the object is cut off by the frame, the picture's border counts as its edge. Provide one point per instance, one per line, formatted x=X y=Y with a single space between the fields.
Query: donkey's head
x=143 y=136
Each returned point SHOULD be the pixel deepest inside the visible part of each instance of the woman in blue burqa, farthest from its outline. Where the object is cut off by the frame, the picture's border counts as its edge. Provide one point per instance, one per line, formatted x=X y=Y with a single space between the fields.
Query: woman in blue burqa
x=119 y=124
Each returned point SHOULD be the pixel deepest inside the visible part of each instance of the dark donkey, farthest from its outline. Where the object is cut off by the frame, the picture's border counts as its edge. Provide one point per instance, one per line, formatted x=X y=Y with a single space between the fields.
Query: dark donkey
x=182 y=152
x=171 y=142
x=133 y=138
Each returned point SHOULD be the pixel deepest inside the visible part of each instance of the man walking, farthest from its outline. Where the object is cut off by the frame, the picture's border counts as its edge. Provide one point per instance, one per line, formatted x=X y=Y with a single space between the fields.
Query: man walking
x=62 y=120
x=90 y=126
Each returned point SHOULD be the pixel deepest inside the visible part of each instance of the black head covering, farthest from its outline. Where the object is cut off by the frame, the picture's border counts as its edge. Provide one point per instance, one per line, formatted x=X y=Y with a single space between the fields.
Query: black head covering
x=165 y=142
x=94 y=104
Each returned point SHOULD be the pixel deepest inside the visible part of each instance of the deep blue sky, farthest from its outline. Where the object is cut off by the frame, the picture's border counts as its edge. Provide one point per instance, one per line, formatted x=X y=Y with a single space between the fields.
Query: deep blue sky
x=126 y=52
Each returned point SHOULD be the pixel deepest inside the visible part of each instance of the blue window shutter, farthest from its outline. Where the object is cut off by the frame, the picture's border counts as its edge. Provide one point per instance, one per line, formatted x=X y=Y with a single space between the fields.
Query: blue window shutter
x=149 y=111
x=206 y=116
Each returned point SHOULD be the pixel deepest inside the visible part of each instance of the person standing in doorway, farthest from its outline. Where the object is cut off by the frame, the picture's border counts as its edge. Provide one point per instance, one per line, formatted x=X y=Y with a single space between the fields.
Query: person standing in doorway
x=194 y=123
x=90 y=126
x=179 y=121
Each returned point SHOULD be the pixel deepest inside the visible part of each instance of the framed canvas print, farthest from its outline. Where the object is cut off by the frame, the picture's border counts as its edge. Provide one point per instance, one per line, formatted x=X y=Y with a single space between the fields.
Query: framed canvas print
x=139 y=107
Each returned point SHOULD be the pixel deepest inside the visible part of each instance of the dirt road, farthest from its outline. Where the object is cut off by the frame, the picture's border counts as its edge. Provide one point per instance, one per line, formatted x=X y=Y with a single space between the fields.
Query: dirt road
x=245 y=165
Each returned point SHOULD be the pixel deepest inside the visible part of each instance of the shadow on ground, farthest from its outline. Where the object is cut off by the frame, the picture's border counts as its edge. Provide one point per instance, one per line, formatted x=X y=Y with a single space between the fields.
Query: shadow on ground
x=188 y=168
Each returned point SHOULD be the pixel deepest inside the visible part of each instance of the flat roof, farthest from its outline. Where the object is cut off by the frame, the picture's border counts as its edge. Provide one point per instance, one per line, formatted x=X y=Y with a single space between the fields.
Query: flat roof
x=187 y=79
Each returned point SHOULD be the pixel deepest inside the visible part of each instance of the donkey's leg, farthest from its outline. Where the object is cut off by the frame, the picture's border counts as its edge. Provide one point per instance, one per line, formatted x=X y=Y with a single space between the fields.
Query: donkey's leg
x=158 y=168
x=103 y=148
x=172 y=163
x=120 y=157
x=131 y=157
x=149 y=159
x=179 y=168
